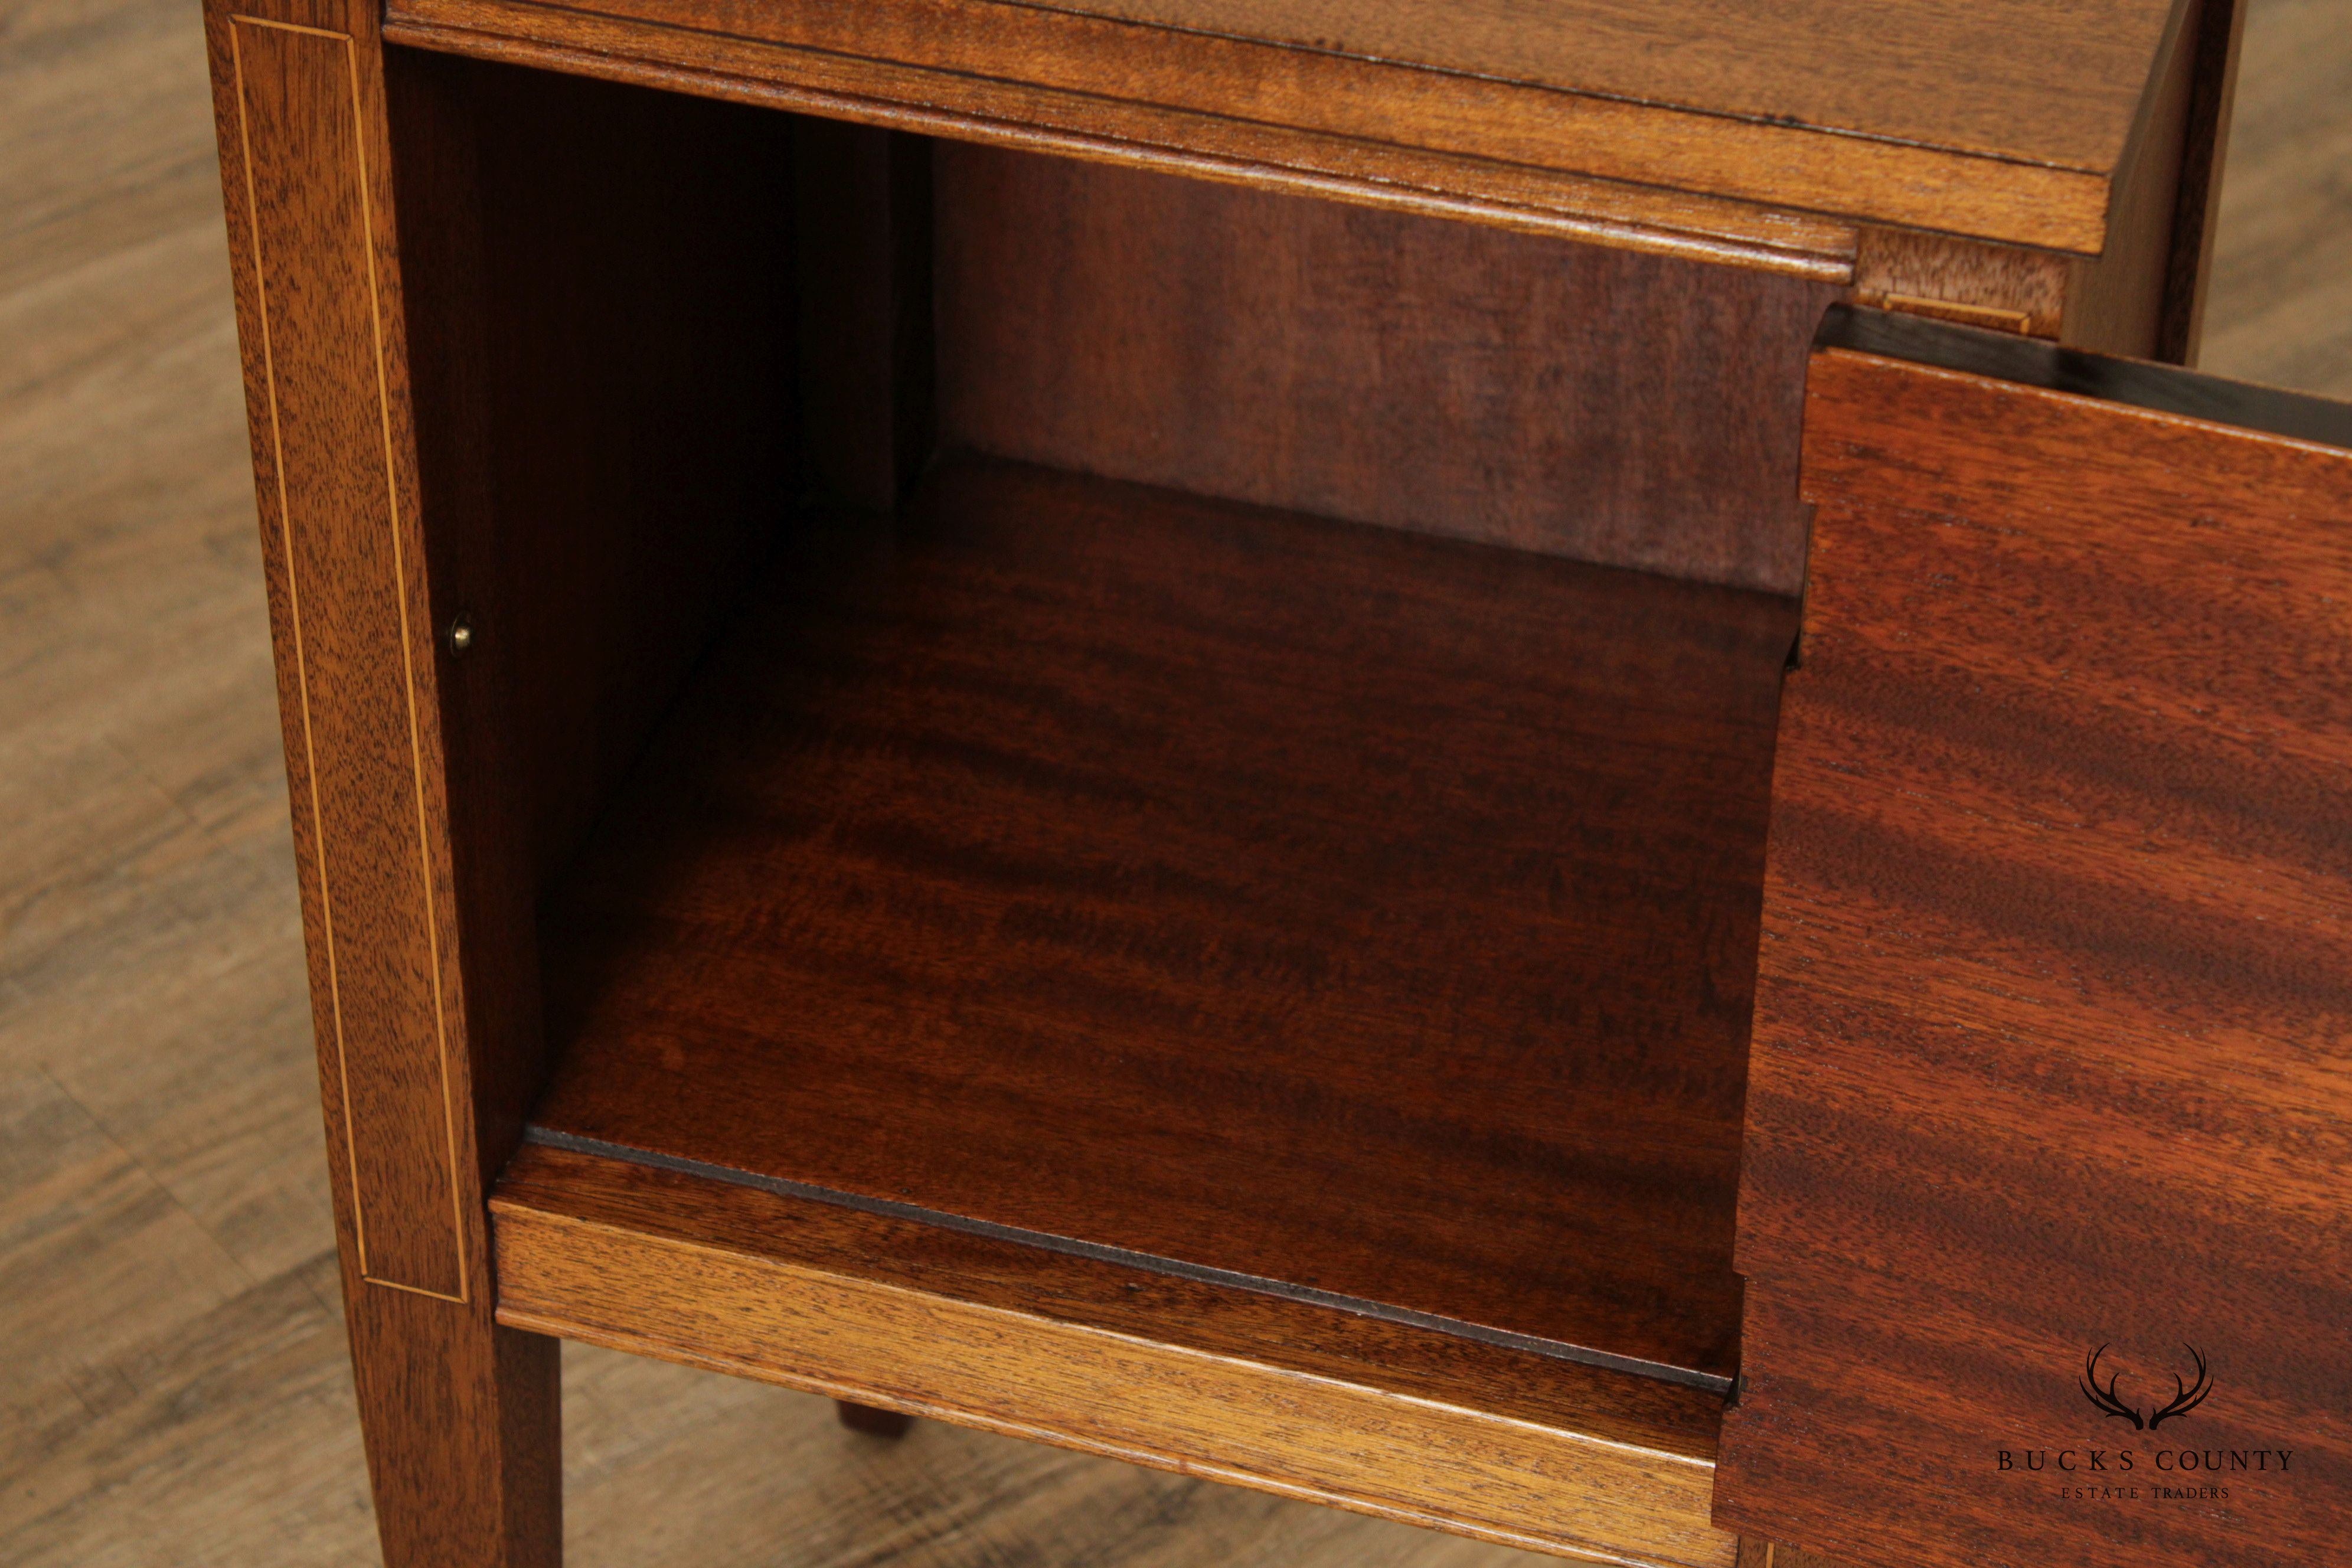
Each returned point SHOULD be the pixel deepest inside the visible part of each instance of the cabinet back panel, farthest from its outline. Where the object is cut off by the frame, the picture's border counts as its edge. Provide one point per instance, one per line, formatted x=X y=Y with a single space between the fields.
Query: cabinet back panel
x=1629 y=409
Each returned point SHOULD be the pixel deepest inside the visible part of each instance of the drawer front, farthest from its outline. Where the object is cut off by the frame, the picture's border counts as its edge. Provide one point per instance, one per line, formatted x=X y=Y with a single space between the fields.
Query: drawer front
x=2046 y=1208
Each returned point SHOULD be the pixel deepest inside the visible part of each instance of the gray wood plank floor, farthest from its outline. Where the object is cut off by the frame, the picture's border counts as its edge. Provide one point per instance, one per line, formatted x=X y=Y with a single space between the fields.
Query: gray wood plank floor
x=172 y=1387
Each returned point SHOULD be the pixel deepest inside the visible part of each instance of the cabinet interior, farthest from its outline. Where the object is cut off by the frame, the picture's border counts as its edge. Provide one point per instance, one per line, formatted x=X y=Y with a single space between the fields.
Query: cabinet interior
x=1221 y=732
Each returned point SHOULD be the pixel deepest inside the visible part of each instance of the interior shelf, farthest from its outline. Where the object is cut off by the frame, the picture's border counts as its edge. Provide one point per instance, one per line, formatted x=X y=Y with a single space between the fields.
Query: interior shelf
x=1293 y=908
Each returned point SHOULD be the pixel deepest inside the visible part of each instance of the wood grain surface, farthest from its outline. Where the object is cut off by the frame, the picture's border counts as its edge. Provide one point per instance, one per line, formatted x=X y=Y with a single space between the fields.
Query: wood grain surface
x=2196 y=194
x=2144 y=294
x=1359 y=164
x=1234 y=1385
x=2017 y=161
x=2053 y=1013
x=346 y=566
x=1756 y=1552
x=2000 y=286
x=2036 y=81
x=1371 y=365
x=1403 y=1360
x=1174 y=876
x=459 y=1413
x=623 y=329
x=2120 y=300
x=177 y=1370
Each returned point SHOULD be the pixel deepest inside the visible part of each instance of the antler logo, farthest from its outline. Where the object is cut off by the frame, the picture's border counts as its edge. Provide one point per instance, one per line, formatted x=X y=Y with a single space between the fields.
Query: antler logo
x=2187 y=1397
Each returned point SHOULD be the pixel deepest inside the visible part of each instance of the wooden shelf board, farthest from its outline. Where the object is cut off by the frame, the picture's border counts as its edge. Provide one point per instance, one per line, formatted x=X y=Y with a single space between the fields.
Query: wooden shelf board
x=1369 y=915
x=1238 y=1386
x=1761 y=138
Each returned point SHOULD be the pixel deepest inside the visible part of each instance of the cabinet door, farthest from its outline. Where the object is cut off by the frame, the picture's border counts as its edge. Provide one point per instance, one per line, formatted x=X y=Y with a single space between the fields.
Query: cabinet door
x=2046 y=1212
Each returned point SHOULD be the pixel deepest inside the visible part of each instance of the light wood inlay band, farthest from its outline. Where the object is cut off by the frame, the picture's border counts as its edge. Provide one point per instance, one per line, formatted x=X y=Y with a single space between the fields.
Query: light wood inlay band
x=335 y=490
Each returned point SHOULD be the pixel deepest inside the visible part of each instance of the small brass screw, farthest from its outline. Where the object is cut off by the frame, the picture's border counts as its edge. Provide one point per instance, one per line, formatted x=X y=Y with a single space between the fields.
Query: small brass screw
x=460 y=635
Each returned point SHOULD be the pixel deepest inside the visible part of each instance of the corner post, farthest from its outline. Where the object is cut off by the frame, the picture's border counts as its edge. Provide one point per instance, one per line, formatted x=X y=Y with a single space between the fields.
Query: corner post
x=419 y=1050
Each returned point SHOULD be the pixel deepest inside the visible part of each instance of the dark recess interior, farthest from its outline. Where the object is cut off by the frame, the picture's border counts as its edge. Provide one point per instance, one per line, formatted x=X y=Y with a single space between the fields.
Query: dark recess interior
x=1225 y=728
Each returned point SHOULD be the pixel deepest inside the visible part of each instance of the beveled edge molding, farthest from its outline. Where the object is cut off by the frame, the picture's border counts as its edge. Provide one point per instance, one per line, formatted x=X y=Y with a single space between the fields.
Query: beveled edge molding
x=1048 y=65
x=1595 y=209
x=302 y=678
x=1097 y=1390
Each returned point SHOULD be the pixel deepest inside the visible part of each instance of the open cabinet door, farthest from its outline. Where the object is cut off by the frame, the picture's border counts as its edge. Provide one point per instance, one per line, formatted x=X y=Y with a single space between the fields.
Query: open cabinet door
x=2046 y=1206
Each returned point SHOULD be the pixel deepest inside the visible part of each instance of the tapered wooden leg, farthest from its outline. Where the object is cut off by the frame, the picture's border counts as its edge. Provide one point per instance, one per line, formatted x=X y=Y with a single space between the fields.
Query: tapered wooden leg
x=461 y=1423
x=873 y=1423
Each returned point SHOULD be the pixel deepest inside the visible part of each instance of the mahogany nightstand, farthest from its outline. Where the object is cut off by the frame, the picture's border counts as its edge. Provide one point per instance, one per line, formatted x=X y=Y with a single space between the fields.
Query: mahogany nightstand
x=1102 y=718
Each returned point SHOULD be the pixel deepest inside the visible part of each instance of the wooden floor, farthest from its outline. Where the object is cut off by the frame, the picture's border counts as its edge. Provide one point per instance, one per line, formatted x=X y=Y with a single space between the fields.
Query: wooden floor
x=172 y=1387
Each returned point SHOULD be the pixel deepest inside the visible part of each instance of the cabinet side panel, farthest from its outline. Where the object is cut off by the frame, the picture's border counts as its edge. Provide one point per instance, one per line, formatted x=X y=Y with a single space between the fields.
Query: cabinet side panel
x=1628 y=409
x=2051 y=1093
x=2221 y=28
x=638 y=273
x=2116 y=302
